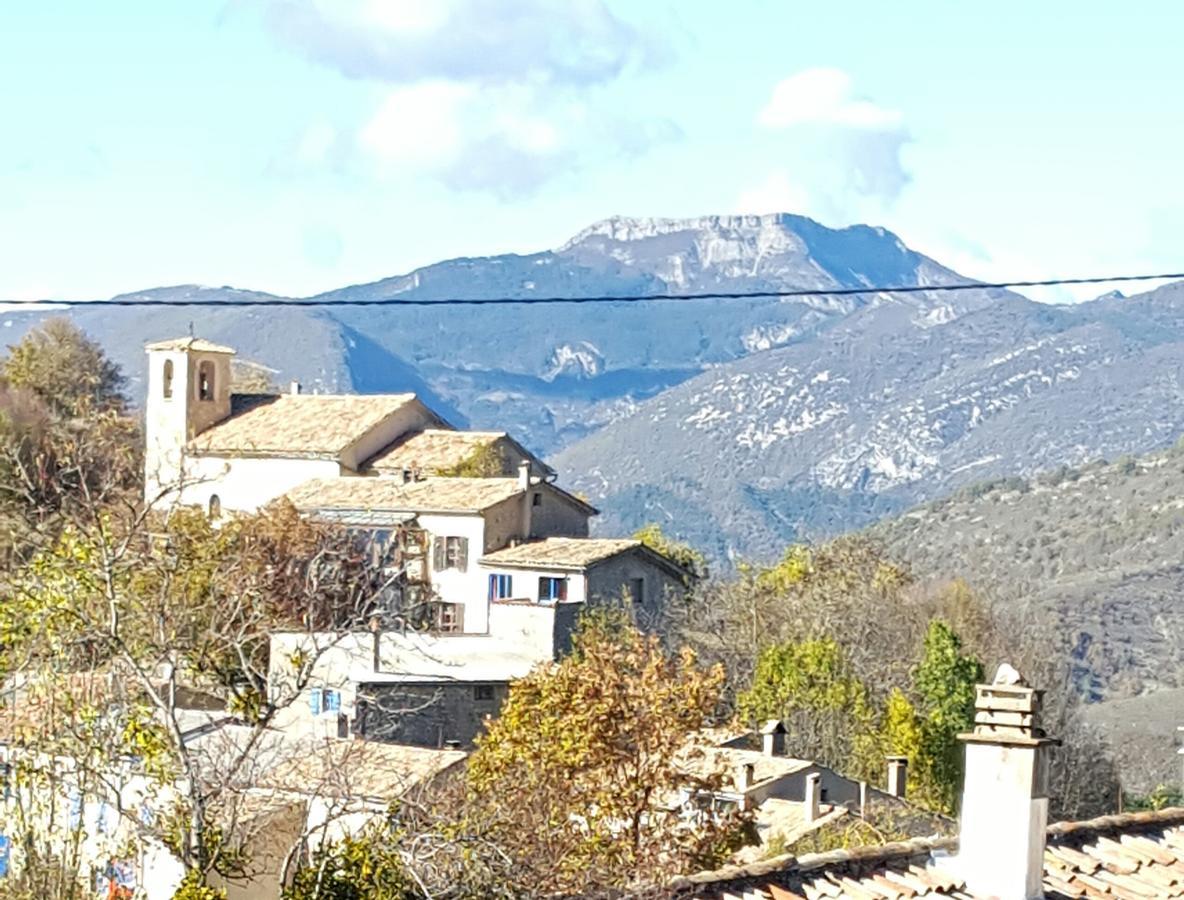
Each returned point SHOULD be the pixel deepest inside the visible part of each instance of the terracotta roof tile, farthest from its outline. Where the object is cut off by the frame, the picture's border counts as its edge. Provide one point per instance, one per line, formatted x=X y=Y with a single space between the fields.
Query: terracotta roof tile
x=303 y=425
x=560 y=553
x=1136 y=856
x=429 y=495
x=189 y=343
x=436 y=450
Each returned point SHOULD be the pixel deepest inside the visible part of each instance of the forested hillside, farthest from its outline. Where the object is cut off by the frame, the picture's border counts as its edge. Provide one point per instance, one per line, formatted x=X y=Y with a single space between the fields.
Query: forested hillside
x=1100 y=547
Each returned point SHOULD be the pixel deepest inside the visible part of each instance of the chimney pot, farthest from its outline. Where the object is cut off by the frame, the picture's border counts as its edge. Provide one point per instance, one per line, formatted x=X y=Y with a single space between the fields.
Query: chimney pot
x=773 y=738
x=813 y=796
x=1005 y=792
x=744 y=777
x=898 y=775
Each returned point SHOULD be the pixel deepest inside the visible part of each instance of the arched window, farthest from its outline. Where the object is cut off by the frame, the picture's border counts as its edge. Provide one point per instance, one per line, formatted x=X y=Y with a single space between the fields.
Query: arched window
x=215 y=506
x=205 y=380
x=168 y=379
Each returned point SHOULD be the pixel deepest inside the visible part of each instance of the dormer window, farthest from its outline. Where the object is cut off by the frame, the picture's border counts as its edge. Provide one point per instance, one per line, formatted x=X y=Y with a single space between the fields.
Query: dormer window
x=205 y=380
x=168 y=379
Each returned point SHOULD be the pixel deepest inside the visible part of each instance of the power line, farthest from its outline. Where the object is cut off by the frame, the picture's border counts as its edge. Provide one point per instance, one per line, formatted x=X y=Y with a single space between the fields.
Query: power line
x=131 y=300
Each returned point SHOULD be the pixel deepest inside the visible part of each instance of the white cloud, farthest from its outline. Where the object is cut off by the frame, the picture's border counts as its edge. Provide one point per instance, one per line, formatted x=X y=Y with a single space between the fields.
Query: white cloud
x=775 y=194
x=417 y=126
x=485 y=95
x=489 y=41
x=841 y=157
x=824 y=96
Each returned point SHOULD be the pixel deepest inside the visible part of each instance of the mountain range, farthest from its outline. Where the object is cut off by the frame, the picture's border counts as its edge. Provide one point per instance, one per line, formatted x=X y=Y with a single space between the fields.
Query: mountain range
x=739 y=425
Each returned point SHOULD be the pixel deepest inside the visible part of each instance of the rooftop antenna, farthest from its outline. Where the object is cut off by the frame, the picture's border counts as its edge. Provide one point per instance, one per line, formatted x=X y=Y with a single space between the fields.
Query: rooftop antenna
x=191 y=334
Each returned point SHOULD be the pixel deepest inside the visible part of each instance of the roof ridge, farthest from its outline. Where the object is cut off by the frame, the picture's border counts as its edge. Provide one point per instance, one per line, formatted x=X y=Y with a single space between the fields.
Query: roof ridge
x=789 y=863
x=1170 y=815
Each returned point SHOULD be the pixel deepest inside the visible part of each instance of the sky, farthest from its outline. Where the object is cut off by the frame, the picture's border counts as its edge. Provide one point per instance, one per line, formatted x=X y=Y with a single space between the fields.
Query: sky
x=295 y=146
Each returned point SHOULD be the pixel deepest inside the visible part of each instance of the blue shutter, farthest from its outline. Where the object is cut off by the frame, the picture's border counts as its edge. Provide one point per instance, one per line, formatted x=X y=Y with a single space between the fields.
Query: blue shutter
x=314 y=701
x=333 y=701
x=103 y=824
x=492 y=587
x=5 y=848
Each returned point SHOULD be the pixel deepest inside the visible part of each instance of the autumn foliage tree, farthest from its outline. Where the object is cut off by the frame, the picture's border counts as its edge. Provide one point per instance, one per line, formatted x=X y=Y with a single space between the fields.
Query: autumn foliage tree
x=67 y=442
x=578 y=777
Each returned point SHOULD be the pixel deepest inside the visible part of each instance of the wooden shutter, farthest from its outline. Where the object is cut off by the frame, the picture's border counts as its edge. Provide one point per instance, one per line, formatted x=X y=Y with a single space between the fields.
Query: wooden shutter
x=439 y=554
x=462 y=554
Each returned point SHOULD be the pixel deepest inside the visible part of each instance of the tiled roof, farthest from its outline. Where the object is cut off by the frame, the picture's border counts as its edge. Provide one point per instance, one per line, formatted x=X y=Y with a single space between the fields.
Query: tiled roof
x=304 y=425
x=559 y=553
x=429 y=495
x=1138 y=855
x=189 y=343
x=434 y=450
x=334 y=767
x=701 y=761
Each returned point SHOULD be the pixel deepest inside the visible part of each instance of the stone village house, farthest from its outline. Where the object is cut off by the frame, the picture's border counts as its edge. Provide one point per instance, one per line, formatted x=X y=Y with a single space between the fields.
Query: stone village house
x=496 y=554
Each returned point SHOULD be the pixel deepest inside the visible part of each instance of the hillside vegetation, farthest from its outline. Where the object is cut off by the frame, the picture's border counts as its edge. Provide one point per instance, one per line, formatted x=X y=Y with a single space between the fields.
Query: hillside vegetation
x=1100 y=547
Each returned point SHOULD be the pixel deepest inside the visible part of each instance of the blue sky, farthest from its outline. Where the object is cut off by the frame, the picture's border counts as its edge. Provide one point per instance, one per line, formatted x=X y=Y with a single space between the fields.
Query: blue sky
x=300 y=145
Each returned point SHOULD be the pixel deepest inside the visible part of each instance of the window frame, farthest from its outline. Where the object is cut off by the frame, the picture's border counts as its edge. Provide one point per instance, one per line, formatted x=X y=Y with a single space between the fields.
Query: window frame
x=499 y=582
x=168 y=375
x=484 y=693
x=551 y=596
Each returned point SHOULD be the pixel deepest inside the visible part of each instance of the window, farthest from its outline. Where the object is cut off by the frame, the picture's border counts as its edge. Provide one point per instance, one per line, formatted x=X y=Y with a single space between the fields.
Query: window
x=450 y=553
x=105 y=821
x=168 y=379
x=205 y=380
x=75 y=815
x=501 y=587
x=536 y=500
x=637 y=591
x=450 y=618
x=215 y=506
x=324 y=700
x=483 y=693
x=552 y=589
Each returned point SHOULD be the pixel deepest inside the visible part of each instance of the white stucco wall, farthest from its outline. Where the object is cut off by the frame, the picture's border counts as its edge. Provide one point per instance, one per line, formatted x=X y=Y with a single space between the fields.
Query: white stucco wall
x=248 y=483
x=468 y=587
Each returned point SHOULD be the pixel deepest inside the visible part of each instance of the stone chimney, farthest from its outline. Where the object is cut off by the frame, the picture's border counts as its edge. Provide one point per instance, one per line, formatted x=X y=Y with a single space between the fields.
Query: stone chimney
x=898 y=775
x=773 y=738
x=813 y=796
x=1005 y=794
x=527 y=500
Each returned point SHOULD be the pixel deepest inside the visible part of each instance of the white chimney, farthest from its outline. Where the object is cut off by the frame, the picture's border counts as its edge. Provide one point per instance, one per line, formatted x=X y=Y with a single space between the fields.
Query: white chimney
x=294 y=388
x=524 y=475
x=898 y=775
x=773 y=738
x=745 y=775
x=813 y=796
x=1005 y=794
